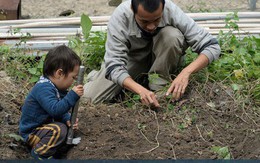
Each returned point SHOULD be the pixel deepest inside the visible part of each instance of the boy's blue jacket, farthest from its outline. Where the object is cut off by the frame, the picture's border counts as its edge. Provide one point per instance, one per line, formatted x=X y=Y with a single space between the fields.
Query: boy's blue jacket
x=45 y=104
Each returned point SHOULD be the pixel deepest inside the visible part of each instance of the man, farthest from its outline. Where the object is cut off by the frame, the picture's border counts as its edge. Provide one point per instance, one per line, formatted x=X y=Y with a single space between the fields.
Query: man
x=149 y=36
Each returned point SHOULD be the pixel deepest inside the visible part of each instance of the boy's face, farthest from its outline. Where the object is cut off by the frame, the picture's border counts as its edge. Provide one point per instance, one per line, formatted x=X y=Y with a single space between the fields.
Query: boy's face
x=66 y=81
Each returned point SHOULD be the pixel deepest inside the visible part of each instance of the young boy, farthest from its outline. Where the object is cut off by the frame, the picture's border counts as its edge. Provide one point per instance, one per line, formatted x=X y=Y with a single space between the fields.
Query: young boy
x=45 y=116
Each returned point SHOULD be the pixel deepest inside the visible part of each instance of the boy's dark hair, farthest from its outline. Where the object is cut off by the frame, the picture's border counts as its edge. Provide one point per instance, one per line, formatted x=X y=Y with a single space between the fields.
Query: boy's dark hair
x=149 y=5
x=60 y=57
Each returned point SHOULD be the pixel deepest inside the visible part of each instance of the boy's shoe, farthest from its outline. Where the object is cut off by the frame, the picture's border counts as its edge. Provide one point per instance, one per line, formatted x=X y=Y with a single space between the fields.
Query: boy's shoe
x=36 y=156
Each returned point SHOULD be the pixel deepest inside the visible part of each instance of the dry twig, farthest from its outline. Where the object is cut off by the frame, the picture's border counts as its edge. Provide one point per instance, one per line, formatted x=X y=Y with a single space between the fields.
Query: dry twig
x=173 y=151
x=156 y=138
x=200 y=133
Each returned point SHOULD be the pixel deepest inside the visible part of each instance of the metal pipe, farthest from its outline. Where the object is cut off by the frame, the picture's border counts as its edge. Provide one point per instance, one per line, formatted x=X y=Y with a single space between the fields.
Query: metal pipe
x=74 y=113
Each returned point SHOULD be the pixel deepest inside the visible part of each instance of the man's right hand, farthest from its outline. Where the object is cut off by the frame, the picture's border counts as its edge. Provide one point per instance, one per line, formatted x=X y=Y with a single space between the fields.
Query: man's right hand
x=147 y=97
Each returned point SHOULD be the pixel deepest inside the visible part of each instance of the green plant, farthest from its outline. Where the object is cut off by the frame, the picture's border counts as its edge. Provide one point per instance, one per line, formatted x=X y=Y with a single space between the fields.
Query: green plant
x=141 y=126
x=181 y=126
x=170 y=106
x=4 y=49
x=24 y=37
x=36 y=71
x=91 y=48
x=15 y=136
x=132 y=100
x=18 y=63
x=223 y=152
x=153 y=77
x=14 y=66
x=239 y=64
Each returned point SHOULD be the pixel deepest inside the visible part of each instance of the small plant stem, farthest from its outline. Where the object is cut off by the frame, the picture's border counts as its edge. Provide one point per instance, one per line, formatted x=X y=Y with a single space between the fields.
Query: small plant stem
x=146 y=137
x=173 y=151
x=172 y=123
x=200 y=133
x=156 y=138
x=241 y=118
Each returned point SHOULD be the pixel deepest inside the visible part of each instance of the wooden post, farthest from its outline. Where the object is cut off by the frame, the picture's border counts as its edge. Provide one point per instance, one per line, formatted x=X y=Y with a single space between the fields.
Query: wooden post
x=10 y=9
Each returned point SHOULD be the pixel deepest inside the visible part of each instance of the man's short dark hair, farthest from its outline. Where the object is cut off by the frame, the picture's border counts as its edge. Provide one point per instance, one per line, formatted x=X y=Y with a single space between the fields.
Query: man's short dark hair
x=61 y=57
x=149 y=5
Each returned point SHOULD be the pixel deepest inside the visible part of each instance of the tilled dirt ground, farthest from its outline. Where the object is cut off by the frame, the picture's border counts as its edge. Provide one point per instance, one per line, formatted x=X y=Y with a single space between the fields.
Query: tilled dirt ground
x=208 y=116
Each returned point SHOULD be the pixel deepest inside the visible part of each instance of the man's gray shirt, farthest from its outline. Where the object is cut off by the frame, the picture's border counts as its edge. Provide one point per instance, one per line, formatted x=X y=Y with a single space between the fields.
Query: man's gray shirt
x=124 y=39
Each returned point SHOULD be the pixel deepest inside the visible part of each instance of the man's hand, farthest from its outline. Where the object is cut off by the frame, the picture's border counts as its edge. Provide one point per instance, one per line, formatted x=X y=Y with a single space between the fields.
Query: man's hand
x=78 y=89
x=148 y=97
x=180 y=83
x=76 y=124
x=178 y=86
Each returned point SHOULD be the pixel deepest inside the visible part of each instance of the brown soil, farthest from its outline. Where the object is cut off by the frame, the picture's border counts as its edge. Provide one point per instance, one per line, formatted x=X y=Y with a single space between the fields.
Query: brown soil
x=207 y=116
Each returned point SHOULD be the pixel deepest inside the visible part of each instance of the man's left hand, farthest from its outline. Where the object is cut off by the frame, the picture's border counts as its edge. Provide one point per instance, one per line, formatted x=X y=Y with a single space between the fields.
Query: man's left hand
x=178 y=86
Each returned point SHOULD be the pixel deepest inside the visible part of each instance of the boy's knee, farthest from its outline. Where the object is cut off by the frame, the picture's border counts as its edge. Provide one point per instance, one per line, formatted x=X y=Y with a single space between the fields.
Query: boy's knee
x=62 y=129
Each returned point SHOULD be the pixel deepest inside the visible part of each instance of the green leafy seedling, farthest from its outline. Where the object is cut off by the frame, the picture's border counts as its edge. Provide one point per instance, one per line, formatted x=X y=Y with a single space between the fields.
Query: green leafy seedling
x=223 y=152
x=16 y=137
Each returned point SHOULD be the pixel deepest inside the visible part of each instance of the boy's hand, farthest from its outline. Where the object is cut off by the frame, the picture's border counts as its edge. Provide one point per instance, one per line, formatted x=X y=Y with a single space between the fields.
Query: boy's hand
x=78 y=89
x=76 y=124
